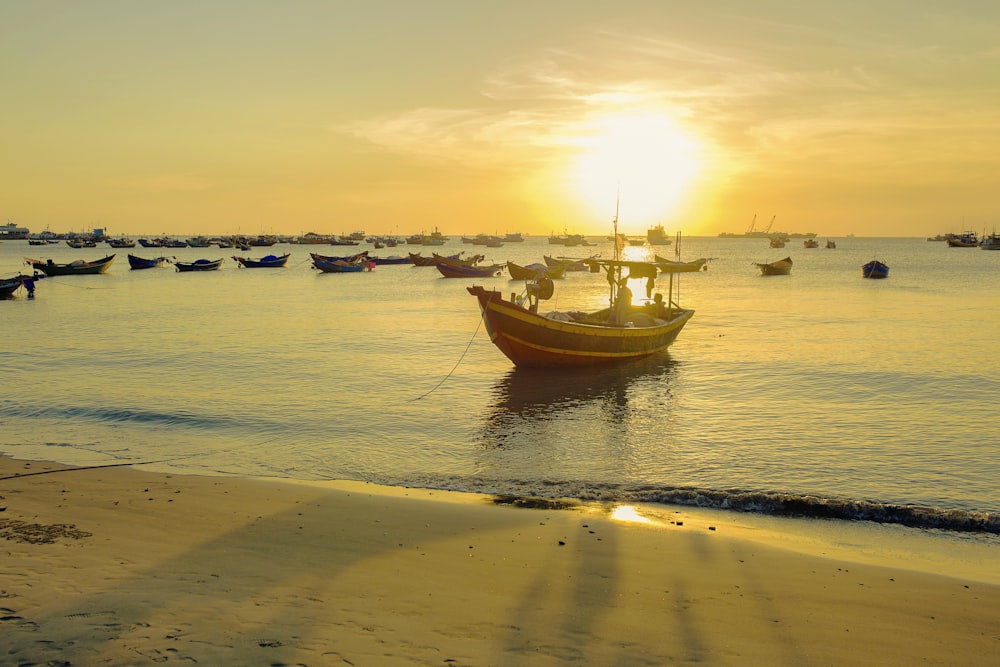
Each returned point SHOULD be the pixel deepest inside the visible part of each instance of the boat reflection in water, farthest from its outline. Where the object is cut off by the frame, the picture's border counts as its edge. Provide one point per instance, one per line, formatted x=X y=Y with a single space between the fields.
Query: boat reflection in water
x=540 y=411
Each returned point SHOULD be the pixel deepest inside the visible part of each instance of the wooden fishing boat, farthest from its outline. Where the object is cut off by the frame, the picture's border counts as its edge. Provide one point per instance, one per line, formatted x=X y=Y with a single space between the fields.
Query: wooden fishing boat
x=569 y=263
x=10 y=285
x=963 y=240
x=618 y=333
x=781 y=267
x=457 y=270
x=420 y=260
x=875 y=269
x=265 y=262
x=330 y=265
x=534 y=271
x=356 y=257
x=199 y=265
x=676 y=266
x=143 y=263
x=392 y=259
x=991 y=242
x=75 y=268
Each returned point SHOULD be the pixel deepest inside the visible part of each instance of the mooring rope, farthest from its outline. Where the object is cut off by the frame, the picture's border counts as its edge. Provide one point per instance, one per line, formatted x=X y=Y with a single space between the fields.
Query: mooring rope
x=435 y=387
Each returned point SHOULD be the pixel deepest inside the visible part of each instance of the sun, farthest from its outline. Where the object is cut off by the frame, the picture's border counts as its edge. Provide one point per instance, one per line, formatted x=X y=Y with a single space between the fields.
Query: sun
x=644 y=159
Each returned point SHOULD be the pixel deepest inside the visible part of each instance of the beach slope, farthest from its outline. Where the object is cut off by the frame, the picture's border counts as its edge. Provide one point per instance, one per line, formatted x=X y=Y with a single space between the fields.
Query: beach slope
x=121 y=566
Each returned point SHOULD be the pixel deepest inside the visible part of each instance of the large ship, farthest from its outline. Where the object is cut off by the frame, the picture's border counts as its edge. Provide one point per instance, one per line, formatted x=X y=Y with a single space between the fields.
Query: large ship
x=753 y=233
x=657 y=236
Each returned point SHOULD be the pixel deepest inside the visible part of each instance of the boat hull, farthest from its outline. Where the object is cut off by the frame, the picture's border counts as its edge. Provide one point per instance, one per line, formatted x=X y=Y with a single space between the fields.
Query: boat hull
x=782 y=267
x=531 y=340
x=10 y=285
x=200 y=265
x=875 y=269
x=451 y=270
x=73 y=268
x=262 y=263
x=143 y=263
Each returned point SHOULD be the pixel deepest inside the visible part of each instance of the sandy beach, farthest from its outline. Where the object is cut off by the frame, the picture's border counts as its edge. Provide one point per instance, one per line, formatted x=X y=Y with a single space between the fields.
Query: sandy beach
x=123 y=566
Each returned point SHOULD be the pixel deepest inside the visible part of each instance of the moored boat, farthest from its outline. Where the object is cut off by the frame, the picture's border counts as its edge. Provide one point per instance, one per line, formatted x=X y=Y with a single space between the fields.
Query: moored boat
x=676 y=266
x=341 y=265
x=77 y=267
x=457 y=270
x=618 y=333
x=199 y=265
x=265 y=262
x=391 y=259
x=143 y=263
x=875 y=269
x=13 y=283
x=419 y=260
x=781 y=267
x=657 y=236
x=569 y=263
x=963 y=240
x=534 y=271
x=991 y=242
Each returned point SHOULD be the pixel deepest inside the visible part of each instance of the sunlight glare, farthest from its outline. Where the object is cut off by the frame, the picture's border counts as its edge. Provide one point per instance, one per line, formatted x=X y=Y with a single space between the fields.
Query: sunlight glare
x=646 y=157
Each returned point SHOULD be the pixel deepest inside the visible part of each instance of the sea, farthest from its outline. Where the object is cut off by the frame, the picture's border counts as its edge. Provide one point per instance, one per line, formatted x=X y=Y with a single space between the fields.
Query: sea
x=819 y=394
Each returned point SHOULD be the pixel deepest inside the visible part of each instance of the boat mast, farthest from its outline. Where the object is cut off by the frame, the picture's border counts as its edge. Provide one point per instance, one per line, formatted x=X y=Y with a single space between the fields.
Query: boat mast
x=615 y=270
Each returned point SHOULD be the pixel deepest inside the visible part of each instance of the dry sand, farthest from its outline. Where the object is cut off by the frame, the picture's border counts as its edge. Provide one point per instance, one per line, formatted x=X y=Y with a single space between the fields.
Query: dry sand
x=121 y=566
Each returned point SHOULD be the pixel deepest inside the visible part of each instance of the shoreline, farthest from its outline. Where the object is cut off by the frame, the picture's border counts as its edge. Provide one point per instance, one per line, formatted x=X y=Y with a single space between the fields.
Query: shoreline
x=122 y=566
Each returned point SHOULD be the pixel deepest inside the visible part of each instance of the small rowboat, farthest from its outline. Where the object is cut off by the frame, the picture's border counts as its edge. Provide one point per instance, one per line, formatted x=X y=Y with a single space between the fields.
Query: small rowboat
x=199 y=265
x=781 y=267
x=143 y=263
x=10 y=285
x=328 y=265
x=265 y=262
x=74 y=268
x=534 y=271
x=875 y=269
x=453 y=270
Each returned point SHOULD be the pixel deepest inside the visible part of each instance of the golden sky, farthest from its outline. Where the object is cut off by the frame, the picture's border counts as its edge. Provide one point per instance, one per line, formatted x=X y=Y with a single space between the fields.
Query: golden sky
x=398 y=116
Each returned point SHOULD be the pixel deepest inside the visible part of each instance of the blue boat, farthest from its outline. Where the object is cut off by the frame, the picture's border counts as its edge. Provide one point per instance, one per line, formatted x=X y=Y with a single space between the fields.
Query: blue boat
x=328 y=265
x=875 y=269
x=267 y=261
x=143 y=263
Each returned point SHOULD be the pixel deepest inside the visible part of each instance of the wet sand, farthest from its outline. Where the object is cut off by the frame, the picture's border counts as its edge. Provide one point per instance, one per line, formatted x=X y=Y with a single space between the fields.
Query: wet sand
x=122 y=566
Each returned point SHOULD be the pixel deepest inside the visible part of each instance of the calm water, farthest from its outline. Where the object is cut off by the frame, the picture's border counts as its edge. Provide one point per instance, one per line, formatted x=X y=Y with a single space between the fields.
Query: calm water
x=817 y=393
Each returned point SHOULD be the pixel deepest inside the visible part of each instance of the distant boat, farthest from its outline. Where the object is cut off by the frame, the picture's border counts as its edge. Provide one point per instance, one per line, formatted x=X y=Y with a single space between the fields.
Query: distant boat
x=534 y=271
x=673 y=266
x=657 y=236
x=875 y=269
x=810 y=243
x=513 y=238
x=265 y=262
x=344 y=265
x=391 y=259
x=419 y=260
x=455 y=270
x=569 y=263
x=121 y=243
x=991 y=242
x=199 y=265
x=963 y=240
x=781 y=267
x=831 y=244
x=143 y=263
x=74 y=268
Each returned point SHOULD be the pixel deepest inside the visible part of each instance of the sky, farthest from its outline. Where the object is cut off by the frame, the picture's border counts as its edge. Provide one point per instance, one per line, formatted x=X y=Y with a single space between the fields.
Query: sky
x=474 y=116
